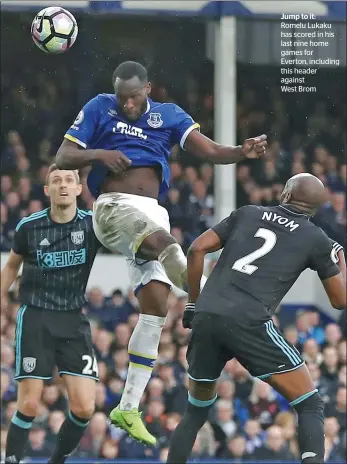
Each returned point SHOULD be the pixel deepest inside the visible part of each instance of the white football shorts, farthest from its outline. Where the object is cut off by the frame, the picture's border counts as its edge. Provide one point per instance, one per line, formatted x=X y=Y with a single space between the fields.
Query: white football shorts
x=121 y=223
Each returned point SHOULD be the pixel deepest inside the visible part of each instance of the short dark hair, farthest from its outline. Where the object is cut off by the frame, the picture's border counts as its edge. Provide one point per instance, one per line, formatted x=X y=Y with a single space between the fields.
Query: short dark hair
x=54 y=167
x=129 y=69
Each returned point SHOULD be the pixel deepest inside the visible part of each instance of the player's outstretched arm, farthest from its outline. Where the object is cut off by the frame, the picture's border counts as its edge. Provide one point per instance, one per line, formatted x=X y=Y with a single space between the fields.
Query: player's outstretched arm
x=72 y=156
x=9 y=272
x=205 y=148
x=335 y=288
x=208 y=242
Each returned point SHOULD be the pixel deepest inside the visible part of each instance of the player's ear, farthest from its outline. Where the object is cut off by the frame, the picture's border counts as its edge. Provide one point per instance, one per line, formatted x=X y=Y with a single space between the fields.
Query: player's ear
x=45 y=189
x=148 y=88
x=286 y=196
x=79 y=189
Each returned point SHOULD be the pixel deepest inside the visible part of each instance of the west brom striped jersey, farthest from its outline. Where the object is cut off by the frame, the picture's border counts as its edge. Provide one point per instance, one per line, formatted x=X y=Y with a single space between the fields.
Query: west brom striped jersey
x=57 y=260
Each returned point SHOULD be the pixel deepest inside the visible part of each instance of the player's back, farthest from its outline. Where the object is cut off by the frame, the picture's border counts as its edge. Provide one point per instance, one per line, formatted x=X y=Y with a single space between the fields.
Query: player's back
x=265 y=251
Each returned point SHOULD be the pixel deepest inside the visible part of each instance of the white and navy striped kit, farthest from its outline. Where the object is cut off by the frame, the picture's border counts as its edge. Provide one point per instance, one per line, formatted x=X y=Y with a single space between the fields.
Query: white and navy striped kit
x=57 y=260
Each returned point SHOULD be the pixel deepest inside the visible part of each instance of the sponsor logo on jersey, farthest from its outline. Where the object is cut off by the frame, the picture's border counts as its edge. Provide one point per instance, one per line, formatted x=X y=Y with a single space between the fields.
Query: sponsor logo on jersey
x=29 y=364
x=155 y=120
x=77 y=237
x=61 y=258
x=127 y=129
x=44 y=242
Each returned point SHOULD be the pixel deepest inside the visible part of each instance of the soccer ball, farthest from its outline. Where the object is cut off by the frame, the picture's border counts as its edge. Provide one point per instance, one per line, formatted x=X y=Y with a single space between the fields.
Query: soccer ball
x=54 y=30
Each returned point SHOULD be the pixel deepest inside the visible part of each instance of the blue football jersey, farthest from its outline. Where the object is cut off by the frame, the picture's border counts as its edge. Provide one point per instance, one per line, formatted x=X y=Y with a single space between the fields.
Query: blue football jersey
x=146 y=142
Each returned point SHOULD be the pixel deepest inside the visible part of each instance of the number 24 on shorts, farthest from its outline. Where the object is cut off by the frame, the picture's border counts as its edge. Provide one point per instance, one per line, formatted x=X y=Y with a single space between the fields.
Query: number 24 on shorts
x=91 y=365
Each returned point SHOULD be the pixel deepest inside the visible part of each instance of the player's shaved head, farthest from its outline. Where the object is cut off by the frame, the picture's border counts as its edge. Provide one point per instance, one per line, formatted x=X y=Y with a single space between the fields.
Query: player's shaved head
x=305 y=192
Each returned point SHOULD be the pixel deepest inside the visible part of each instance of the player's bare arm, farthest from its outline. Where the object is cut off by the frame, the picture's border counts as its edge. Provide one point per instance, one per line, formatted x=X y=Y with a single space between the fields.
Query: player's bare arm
x=208 y=242
x=205 y=148
x=9 y=272
x=342 y=263
x=72 y=156
x=335 y=288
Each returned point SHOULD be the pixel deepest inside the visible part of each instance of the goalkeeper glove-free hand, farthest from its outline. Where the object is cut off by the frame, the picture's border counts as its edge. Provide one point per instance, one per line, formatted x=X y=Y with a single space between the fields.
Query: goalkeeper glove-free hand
x=188 y=315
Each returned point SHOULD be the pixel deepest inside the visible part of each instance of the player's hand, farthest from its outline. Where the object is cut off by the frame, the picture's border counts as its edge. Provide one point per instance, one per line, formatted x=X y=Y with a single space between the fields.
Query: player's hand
x=115 y=160
x=188 y=315
x=255 y=147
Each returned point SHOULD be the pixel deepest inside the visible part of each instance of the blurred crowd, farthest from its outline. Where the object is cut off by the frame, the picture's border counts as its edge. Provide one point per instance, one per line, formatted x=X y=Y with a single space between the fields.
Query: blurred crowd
x=315 y=143
x=249 y=421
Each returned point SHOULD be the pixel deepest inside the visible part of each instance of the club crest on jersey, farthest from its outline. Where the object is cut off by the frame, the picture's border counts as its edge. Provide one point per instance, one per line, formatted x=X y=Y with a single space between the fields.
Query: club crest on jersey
x=155 y=120
x=77 y=237
x=79 y=118
x=29 y=364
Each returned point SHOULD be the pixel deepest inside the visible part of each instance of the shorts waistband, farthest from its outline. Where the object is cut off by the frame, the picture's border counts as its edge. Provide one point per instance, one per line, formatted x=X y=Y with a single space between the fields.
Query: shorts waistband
x=125 y=197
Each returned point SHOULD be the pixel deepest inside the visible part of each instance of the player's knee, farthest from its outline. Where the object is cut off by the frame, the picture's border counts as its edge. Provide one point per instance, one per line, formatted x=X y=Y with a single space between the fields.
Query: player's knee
x=154 y=244
x=309 y=404
x=84 y=411
x=174 y=262
x=29 y=406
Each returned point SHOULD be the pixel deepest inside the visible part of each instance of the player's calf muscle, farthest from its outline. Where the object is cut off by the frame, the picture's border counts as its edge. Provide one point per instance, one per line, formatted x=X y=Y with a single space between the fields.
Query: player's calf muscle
x=153 y=298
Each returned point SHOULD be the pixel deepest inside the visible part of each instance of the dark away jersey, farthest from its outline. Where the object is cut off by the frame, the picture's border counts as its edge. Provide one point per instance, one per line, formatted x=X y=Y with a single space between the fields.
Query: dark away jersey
x=57 y=260
x=265 y=251
x=147 y=141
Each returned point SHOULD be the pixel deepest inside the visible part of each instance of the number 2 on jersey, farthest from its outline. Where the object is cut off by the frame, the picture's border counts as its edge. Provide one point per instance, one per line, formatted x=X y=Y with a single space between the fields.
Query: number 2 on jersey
x=244 y=264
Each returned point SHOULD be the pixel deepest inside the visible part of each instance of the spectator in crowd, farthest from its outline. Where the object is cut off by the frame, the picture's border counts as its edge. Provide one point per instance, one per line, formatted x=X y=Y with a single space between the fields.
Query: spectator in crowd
x=333 y=444
x=321 y=383
x=311 y=353
x=274 y=448
x=287 y=422
x=37 y=446
x=254 y=435
x=329 y=366
x=332 y=334
x=338 y=407
x=235 y=449
x=224 y=426
x=263 y=404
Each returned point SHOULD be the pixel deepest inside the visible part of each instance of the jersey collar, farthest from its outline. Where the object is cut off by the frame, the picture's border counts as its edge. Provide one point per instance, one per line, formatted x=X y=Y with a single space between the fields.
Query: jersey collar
x=148 y=106
x=292 y=211
x=61 y=223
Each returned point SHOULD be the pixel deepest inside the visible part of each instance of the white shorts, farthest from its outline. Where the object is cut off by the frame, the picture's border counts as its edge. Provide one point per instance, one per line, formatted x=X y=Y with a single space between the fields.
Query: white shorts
x=121 y=223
